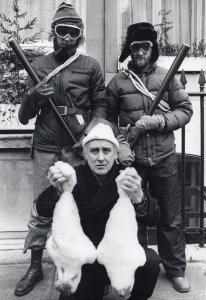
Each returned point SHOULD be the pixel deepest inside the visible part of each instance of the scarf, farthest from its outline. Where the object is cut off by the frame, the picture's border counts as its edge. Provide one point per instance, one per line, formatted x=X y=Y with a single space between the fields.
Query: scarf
x=92 y=197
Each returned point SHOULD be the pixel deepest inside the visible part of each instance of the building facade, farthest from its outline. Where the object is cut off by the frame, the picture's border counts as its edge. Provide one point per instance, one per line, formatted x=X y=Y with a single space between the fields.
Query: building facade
x=105 y=22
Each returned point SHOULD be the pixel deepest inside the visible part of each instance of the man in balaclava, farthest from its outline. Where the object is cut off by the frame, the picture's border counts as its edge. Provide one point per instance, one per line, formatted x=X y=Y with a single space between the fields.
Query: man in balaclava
x=130 y=95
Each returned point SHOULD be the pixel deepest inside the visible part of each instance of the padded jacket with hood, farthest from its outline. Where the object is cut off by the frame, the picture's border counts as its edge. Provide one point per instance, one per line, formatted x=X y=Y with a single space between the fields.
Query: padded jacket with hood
x=127 y=105
x=80 y=87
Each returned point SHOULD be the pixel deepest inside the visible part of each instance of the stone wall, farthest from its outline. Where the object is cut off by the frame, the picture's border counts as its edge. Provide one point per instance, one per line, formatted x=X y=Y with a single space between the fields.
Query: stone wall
x=16 y=179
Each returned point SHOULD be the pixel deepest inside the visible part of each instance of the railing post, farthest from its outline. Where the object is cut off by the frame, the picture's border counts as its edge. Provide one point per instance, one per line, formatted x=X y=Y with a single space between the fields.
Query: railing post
x=201 y=82
x=184 y=82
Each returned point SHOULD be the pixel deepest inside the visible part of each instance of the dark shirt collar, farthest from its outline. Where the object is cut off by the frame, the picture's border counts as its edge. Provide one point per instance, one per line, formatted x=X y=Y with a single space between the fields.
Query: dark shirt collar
x=100 y=179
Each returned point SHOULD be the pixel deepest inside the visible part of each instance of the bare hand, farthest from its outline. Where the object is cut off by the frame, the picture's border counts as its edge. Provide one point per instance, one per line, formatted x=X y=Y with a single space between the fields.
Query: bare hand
x=56 y=178
x=131 y=184
x=62 y=176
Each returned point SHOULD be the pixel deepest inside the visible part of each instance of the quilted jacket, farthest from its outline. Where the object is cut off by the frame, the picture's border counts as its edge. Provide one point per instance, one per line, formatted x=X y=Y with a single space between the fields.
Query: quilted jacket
x=127 y=105
x=80 y=87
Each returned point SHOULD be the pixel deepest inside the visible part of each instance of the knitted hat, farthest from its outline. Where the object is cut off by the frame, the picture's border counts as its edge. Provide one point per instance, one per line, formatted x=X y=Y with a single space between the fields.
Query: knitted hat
x=140 y=32
x=101 y=132
x=66 y=14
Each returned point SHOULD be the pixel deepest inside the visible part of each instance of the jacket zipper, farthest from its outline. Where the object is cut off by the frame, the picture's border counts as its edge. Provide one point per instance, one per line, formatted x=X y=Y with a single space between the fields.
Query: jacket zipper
x=60 y=101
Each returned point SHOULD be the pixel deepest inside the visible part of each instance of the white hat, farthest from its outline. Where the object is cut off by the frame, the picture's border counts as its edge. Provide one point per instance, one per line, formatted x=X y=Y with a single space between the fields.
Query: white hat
x=101 y=132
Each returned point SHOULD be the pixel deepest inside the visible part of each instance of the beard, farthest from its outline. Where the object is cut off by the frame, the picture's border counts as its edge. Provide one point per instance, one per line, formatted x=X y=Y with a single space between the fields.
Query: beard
x=65 y=51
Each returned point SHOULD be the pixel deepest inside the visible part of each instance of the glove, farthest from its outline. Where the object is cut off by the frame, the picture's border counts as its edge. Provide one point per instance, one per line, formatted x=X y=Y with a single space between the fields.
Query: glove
x=40 y=93
x=151 y=122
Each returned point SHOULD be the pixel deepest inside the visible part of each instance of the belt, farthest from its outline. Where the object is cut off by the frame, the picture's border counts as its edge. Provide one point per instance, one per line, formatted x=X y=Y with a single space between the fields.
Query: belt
x=66 y=110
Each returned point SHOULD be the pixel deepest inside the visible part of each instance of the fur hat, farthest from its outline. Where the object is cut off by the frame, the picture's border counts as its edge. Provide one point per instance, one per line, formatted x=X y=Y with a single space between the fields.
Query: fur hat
x=66 y=13
x=140 y=32
x=101 y=132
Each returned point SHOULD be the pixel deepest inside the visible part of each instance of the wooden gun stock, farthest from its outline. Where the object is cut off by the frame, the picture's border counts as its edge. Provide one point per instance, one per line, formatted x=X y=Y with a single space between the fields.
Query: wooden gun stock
x=165 y=84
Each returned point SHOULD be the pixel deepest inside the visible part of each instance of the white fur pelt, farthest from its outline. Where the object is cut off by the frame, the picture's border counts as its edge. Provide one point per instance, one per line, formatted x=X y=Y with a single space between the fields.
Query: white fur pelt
x=68 y=246
x=120 y=251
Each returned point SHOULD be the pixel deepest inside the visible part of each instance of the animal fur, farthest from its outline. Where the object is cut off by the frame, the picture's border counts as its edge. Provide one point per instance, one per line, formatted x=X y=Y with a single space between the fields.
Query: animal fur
x=68 y=246
x=120 y=251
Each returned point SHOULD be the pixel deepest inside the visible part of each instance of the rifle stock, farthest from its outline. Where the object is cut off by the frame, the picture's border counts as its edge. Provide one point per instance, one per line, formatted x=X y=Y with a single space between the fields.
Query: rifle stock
x=28 y=67
x=166 y=82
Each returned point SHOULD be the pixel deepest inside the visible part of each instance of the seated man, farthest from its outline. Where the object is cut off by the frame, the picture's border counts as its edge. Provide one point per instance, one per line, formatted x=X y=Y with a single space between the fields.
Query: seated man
x=95 y=194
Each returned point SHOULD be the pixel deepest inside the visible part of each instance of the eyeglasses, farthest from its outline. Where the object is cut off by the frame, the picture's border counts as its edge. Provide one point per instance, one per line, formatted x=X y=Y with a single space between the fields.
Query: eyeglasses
x=145 y=46
x=64 y=30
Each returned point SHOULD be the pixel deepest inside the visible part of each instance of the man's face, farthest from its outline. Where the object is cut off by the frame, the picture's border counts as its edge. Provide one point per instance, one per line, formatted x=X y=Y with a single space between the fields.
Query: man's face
x=141 y=55
x=66 y=43
x=67 y=36
x=100 y=155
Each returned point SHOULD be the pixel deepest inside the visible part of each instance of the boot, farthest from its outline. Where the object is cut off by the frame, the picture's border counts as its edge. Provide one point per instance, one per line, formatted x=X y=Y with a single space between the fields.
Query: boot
x=33 y=274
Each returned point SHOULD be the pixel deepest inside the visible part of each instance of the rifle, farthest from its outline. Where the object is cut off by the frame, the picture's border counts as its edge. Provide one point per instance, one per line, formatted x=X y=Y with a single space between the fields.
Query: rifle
x=167 y=80
x=34 y=77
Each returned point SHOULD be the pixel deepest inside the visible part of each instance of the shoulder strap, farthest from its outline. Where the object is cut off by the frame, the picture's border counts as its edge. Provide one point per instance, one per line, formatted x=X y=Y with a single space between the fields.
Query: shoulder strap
x=64 y=65
x=142 y=88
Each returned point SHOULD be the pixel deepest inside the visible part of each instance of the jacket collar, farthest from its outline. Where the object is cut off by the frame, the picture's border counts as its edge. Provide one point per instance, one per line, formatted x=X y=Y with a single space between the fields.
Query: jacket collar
x=147 y=70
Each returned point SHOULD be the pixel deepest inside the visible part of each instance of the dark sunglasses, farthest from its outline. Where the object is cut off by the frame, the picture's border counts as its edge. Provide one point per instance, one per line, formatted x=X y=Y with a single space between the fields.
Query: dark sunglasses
x=64 y=30
x=145 y=46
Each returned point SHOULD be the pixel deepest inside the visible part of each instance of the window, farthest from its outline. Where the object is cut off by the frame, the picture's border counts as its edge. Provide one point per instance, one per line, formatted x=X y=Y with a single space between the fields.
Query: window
x=188 y=17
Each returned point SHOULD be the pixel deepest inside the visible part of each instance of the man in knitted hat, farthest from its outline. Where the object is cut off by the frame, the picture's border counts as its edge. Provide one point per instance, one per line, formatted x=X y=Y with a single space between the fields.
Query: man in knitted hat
x=75 y=84
x=67 y=28
x=130 y=94
x=95 y=195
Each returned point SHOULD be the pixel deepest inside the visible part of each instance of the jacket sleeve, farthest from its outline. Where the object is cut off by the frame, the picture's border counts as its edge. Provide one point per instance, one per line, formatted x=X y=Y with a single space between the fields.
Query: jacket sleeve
x=46 y=202
x=28 y=109
x=148 y=211
x=125 y=155
x=99 y=104
x=181 y=107
x=113 y=102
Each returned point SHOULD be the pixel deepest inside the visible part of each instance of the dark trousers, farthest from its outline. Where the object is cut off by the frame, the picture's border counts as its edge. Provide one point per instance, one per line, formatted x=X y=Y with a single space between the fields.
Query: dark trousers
x=162 y=180
x=94 y=280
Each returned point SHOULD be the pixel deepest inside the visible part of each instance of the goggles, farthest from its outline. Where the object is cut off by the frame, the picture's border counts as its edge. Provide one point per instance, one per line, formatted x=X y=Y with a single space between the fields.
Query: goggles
x=145 y=46
x=64 y=30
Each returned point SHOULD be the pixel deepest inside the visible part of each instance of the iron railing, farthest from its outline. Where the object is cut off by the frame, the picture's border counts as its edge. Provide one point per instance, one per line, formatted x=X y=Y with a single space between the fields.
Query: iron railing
x=198 y=191
x=191 y=178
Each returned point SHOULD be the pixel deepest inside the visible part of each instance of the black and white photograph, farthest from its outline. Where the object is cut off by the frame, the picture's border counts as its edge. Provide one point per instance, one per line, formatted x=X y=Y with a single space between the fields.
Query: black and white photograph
x=102 y=149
